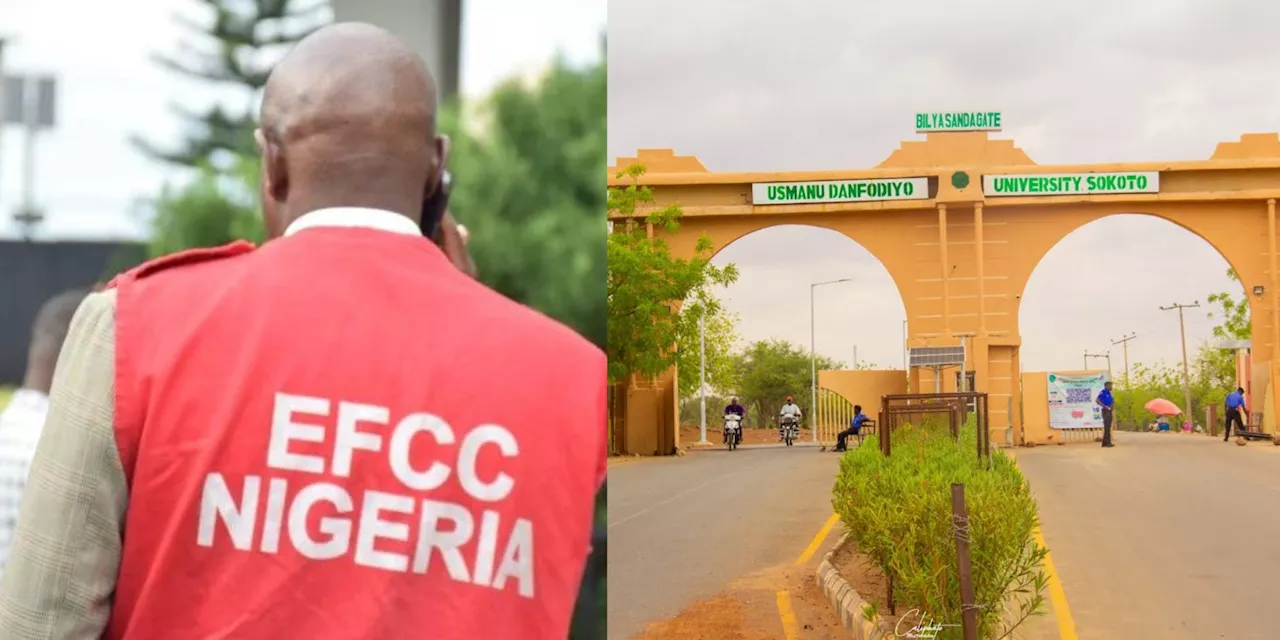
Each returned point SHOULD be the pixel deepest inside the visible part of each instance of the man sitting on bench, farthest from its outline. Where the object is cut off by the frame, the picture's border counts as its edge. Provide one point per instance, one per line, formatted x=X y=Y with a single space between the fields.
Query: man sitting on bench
x=855 y=426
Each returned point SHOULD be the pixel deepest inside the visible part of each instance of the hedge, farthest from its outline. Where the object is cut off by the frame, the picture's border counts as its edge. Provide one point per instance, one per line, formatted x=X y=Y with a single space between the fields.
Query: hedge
x=898 y=510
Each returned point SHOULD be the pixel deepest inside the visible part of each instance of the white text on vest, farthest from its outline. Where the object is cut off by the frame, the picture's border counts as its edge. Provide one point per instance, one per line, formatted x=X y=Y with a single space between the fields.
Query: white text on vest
x=443 y=527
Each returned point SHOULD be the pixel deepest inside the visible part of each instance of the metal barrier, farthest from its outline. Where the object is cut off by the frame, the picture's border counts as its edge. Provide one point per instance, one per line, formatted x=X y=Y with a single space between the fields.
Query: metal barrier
x=897 y=410
x=834 y=413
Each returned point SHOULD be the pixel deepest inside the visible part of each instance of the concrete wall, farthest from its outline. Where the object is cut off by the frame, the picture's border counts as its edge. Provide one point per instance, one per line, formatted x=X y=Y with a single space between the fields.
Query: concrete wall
x=33 y=272
x=865 y=387
x=652 y=417
x=432 y=27
x=1035 y=412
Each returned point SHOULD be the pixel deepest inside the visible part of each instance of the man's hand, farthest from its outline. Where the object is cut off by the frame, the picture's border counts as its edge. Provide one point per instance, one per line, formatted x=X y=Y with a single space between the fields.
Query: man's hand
x=453 y=238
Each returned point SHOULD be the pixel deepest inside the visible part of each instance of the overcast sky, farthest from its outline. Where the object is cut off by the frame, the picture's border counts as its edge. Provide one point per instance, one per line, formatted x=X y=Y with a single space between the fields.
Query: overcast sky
x=87 y=172
x=760 y=85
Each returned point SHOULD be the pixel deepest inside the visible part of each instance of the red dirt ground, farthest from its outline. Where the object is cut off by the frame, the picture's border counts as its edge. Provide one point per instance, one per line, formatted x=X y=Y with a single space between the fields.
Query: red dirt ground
x=748 y=610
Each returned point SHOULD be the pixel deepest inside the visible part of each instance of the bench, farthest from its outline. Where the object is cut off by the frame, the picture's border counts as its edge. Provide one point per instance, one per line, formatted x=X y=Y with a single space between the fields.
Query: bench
x=868 y=428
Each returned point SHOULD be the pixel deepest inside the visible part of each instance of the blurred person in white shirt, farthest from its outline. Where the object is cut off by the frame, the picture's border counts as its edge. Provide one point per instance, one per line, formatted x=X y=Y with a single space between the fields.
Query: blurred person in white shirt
x=23 y=418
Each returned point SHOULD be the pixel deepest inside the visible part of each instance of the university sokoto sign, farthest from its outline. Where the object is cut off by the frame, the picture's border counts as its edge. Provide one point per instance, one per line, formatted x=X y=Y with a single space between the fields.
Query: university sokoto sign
x=1063 y=184
x=958 y=121
x=840 y=191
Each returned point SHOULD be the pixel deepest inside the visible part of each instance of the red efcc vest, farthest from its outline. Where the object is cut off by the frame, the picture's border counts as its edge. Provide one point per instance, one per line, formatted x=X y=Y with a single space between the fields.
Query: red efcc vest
x=338 y=435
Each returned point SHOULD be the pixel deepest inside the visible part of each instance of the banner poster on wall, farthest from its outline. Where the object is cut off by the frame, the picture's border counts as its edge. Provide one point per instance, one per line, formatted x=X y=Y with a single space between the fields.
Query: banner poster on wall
x=1072 y=400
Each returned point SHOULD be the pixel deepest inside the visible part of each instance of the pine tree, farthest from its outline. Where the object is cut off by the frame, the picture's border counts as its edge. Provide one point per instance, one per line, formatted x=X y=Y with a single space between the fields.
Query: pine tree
x=235 y=45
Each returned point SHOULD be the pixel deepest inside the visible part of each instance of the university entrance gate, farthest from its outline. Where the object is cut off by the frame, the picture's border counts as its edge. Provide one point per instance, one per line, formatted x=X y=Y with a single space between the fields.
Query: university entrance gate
x=960 y=221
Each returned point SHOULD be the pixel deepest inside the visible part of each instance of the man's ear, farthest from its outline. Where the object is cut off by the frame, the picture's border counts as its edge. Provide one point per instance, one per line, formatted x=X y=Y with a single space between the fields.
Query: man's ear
x=441 y=144
x=275 y=174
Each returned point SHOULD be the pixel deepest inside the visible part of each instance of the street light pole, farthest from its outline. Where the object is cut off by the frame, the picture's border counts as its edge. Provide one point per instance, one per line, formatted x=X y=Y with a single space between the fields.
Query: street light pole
x=904 y=347
x=702 y=373
x=813 y=358
x=1186 y=371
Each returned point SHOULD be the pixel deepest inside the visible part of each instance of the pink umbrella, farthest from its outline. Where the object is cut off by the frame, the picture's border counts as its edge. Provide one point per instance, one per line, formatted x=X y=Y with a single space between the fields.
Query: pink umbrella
x=1162 y=407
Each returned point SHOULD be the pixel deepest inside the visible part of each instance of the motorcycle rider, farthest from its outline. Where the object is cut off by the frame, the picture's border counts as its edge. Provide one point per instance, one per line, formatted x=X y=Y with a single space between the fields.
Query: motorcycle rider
x=738 y=410
x=789 y=409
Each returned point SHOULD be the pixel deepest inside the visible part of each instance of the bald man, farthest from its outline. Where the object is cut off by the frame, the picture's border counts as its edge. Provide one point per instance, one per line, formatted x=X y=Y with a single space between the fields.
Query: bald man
x=337 y=435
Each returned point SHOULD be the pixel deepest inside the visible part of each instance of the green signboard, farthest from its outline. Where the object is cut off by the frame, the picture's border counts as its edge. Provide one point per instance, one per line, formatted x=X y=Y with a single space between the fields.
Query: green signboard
x=957 y=121
x=840 y=191
x=1071 y=184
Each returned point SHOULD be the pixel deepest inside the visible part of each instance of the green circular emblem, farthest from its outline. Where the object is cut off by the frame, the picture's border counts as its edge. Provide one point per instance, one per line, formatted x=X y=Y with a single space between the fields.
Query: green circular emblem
x=959 y=179
x=1052 y=377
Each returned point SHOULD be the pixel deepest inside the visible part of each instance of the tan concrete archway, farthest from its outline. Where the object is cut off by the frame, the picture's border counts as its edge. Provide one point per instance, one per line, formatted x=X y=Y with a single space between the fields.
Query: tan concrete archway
x=961 y=220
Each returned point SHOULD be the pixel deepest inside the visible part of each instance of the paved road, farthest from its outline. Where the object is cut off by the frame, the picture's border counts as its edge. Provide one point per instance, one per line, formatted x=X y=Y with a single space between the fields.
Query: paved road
x=1163 y=536
x=681 y=529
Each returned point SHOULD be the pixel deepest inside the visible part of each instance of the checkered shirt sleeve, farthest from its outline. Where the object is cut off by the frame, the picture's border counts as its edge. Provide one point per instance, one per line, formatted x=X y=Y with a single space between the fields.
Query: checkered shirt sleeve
x=62 y=568
x=20 y=426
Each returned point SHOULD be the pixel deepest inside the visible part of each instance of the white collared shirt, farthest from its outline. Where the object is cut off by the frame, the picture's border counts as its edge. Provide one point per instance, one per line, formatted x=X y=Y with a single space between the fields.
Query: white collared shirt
x=354 y=217
x=20 y=425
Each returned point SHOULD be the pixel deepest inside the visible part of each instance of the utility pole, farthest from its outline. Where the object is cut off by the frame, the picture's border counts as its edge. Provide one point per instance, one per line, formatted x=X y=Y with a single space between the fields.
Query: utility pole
x=1106 y=355
x=1186 y=371
x=1127 y=388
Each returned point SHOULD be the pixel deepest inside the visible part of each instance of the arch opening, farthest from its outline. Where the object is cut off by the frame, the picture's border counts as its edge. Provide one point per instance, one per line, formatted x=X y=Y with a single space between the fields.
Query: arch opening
x=856 y=330
x=1109 y=279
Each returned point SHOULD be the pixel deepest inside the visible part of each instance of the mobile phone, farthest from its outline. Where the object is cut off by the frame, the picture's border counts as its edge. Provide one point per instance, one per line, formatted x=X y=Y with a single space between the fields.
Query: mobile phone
x=433 y=208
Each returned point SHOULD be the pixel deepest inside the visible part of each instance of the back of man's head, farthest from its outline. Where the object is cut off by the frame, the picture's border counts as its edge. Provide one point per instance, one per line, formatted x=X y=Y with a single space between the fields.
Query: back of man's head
x=47 y=335
x=348 y=119
x=857 y=408
x=1239 y=389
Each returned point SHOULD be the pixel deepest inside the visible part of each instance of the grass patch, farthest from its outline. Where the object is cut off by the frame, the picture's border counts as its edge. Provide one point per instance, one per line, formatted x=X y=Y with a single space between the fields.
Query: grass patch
x=898 y=510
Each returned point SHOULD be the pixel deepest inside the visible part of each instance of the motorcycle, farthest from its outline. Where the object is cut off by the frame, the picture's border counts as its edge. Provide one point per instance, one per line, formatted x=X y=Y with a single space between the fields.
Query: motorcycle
x=732 y=430
x=790 y=429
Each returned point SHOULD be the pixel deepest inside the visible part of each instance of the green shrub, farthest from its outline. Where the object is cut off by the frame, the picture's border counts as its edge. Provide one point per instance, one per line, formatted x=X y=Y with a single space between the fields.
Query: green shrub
x=898 y=510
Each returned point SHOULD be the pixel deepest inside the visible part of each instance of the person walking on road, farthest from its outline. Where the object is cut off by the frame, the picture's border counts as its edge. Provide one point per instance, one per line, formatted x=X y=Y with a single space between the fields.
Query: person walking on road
x=1107 y=402
x=1235 y=404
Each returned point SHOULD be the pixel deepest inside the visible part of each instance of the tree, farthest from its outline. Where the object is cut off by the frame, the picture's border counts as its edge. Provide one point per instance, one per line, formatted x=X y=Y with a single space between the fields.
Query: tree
x=645 y=284
x=774 y=369
x=1216 y=368
x=1234 y=311
x=720 y=338
x=237 y=43
x=210 y=210
x=527 y=185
